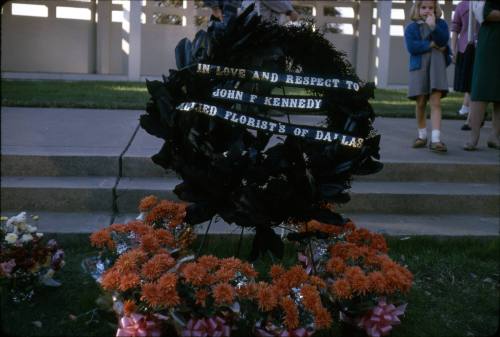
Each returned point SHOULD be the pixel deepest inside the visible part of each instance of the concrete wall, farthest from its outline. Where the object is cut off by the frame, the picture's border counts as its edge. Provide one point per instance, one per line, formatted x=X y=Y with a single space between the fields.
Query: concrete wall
x=56 y=45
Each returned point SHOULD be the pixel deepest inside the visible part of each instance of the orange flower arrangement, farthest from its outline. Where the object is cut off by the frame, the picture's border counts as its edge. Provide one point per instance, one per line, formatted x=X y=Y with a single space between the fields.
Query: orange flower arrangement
x=155 y=273
x=353 y=264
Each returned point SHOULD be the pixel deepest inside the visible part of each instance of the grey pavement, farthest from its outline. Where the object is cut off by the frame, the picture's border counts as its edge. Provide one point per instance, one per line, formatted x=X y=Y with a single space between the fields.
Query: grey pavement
x=103 y=154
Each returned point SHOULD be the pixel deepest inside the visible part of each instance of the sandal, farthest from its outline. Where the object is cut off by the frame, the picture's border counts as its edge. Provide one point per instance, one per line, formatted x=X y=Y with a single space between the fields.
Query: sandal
x=438 y=147
x=419 y=142
x=469 y=147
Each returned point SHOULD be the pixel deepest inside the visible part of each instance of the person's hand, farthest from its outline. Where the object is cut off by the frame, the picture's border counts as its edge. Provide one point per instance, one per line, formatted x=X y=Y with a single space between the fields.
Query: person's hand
x=430 y=20
x=217 y=12
x=453 y=56
x=435 y=46
x=293 y=15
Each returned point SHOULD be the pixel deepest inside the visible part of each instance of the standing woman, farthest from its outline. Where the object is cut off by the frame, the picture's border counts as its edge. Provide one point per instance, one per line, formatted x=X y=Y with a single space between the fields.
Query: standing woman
x=427 y=42
x=464 y=30
x=486 y=77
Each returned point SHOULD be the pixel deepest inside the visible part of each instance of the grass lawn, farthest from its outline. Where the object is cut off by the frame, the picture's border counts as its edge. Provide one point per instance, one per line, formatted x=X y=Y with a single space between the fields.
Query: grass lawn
x=455 y=292
x=130 y=95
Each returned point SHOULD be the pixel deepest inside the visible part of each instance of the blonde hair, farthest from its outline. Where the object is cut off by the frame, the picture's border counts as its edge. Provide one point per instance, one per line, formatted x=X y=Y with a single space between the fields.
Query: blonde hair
x=415 y=10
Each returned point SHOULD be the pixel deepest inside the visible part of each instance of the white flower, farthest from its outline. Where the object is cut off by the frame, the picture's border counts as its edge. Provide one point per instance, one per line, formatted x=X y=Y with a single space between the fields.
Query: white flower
x=31 y=229
x=26 y=237
x=20 y=218
x=39 y=234
x=11 y=238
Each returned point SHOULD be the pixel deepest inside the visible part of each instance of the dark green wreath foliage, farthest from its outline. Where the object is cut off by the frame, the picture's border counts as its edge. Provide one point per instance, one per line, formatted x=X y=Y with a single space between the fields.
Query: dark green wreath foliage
x=233 y=172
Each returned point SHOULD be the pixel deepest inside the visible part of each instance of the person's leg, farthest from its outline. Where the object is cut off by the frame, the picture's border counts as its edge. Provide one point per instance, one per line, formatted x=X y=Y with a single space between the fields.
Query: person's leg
x=464 y=110
x=494 y=139
x=476 y=115
x=466 y=126
x=421 y=102
x=466 y=99
x=435 y=102
x=420 y=111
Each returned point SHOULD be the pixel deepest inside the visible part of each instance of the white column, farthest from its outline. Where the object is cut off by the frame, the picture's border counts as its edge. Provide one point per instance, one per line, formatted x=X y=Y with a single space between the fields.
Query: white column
x=383 y=43
x=103 y=38
x=364 y=51
x=131 y=37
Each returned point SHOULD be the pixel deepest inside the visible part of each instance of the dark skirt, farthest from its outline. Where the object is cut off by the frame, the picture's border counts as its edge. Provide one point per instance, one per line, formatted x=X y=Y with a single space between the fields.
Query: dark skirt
x=463 y=70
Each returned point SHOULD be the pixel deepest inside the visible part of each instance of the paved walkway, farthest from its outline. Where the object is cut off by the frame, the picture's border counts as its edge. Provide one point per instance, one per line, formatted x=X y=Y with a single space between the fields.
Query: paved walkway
x=108 y=132
x=95 y=134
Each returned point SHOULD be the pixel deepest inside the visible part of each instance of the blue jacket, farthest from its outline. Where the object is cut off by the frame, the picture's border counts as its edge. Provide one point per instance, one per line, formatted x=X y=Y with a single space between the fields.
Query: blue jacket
x=416 y=46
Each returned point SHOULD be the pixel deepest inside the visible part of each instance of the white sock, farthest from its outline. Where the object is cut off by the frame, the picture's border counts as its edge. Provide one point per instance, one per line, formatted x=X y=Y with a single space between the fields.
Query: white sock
x=464 y=110
x=435 y=136
x=422 y=133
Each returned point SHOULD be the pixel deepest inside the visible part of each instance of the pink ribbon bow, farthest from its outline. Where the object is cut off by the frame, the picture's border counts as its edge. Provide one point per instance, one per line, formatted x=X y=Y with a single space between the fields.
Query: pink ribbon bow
x=204 y=327
x=136 y=325
x=379 y=321
x=272 y=330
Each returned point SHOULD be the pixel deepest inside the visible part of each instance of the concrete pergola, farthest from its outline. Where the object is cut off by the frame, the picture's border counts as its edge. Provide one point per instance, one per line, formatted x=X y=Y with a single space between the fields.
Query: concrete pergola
x=131 y=27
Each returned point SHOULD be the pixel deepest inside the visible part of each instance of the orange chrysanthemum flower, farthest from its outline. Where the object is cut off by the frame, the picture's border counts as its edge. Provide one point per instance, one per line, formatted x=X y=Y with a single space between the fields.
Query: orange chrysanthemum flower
x=230 y=263
x=157 y=265
x=341 y=249
x=118 y=228
x=378 y=243
x=335 y=265
x=149 y=243
x=311 y=297
x=195 y=273
x=164 y=237
x=101 y=239
x=342 y=289
x=129 y=307
x=377 y=282
x=110 y=279
x=169 y=211
x=168 y=293
x=128 y=281
x=139 y=228
x=352 y=272
x=147 y=203
x=151 y=294
x=266 y=297
x=130 y=260
x=291 y=313
x=323 y=319
x=247 y=269
x=223 y=293
x=398 y=279
x=294 y=277
x=360 y=284
x=317 y=281
x=224 y=274
x=276 y=271
x=208 y=261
